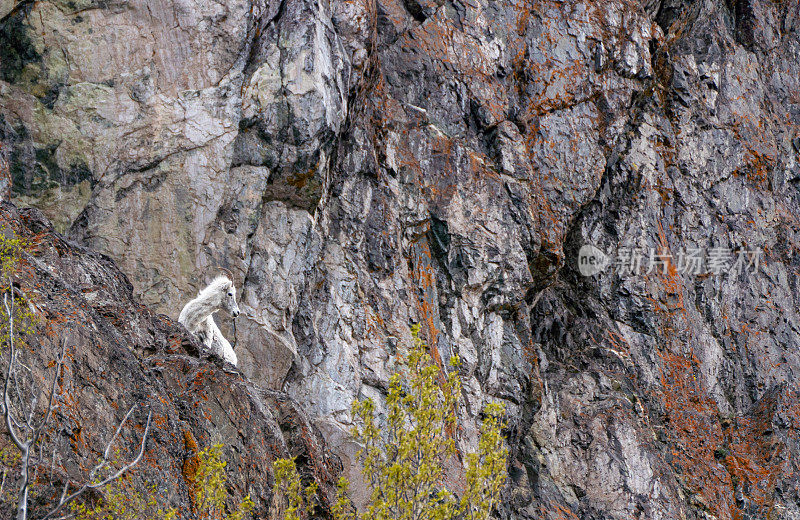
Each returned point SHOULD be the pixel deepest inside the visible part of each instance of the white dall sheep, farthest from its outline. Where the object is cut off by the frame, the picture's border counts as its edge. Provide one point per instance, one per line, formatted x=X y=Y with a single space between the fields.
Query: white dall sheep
x=197 y=316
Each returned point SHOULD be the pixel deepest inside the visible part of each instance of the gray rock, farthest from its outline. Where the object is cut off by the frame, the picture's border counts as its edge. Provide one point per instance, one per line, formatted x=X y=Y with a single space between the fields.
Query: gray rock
x=360 y=166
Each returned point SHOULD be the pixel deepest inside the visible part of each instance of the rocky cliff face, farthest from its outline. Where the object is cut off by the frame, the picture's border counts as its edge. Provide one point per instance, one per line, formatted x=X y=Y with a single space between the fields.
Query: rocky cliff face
x=119 y=354
x=364 y=164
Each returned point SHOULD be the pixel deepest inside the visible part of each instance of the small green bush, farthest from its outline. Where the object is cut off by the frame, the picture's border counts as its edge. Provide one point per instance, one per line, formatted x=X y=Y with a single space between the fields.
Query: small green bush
x=211 y=493
x=11 y=248
x=121 y=501
x=404 y=460
x=298 y=501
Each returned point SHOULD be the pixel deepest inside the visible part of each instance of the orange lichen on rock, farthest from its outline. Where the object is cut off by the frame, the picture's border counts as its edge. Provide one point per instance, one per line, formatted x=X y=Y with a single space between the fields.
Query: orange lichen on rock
x=754 y=453
x=191 y=463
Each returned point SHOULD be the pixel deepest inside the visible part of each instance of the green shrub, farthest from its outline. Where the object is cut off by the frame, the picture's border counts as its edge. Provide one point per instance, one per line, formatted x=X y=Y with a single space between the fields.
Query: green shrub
x=211 y=493
x=404 y=460
x=11 y=248
x=121 y=501
x=298 y=501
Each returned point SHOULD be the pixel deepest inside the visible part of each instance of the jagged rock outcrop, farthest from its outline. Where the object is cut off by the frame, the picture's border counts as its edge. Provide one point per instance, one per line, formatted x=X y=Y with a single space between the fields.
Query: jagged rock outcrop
x=121 y=354
x=360 y=165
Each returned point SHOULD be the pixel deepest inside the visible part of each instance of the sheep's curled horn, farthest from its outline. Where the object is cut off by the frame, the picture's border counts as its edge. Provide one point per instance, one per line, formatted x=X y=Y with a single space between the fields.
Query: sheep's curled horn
x=229 y=273
x=233 y=281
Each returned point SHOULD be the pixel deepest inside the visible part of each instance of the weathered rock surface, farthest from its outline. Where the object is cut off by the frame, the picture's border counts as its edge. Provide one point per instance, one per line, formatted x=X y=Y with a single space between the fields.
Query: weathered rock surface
x=120 y=354
x=365 y=164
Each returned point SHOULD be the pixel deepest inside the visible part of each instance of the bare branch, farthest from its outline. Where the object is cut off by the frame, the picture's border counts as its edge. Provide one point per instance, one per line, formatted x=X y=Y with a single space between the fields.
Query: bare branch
x=29 y=417
x=24 y=447
x=49 y=411
x=131 y=464
x=64 y=492
x=17 y=389
x=12 y=353
x=53 y=463
x=106 y=451
x=119 y=429
x=27 y=443
x=65 y=500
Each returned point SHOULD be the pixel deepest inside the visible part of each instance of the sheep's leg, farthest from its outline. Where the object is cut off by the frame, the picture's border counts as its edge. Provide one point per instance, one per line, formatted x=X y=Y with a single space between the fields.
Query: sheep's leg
x=219 y=345
x=205 y=335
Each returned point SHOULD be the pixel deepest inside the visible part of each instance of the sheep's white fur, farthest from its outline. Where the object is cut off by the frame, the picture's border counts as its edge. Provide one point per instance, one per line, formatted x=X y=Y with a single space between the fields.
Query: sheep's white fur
x=197 y=316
